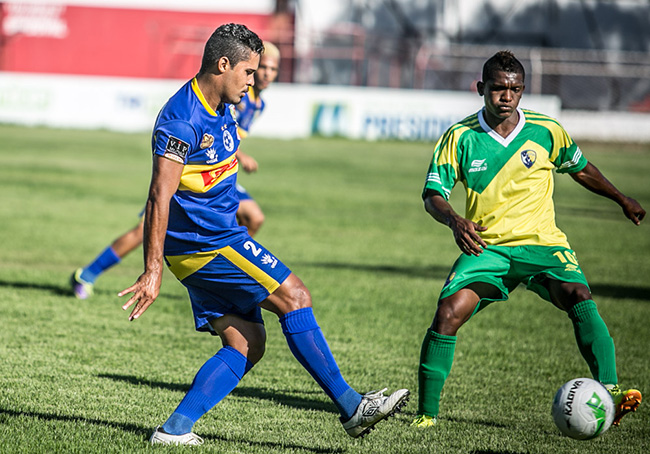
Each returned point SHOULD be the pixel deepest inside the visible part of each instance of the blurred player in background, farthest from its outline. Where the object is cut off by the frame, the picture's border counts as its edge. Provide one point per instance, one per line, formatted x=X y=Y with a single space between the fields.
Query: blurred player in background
x=249 y=213
x=190 y=225
x=505 y=157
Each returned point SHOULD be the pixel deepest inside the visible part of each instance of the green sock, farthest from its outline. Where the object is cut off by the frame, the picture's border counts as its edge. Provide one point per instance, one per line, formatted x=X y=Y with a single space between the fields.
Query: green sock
x=594 y=341
x=436 y=358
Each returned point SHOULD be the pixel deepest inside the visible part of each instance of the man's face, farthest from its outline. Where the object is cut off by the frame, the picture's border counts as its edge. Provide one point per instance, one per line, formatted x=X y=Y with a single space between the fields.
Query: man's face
x=502 y=93
x=239 y=78
x=267 y=72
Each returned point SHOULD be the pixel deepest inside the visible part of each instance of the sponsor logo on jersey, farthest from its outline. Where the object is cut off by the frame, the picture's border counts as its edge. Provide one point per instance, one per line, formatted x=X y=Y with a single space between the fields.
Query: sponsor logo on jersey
x=478 y=165
x=528 y=157
x=176 y=149
x=207 y=141
x=211 y=176
x=228 y=141
x=571 y=267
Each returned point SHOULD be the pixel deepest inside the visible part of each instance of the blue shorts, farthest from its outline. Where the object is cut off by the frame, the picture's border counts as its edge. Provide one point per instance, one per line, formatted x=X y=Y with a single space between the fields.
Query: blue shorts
x=242 y=193
x=230 y=280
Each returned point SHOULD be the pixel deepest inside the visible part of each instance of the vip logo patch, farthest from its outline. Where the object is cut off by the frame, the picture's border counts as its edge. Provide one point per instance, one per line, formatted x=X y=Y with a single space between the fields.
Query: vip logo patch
x=176 y=149
x=207 y=141
x=478 y=165
x=528 y=157
x=228 y=141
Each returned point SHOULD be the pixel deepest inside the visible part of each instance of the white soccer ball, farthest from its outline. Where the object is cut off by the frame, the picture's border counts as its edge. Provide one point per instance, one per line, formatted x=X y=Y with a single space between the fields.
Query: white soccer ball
x=583 y=409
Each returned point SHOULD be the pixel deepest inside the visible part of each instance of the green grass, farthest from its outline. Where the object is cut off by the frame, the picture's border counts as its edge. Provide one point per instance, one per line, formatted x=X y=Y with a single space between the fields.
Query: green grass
x=77 y=377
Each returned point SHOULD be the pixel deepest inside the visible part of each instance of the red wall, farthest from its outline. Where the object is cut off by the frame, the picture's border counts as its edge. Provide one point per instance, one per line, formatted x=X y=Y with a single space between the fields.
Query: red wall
x=109 y=41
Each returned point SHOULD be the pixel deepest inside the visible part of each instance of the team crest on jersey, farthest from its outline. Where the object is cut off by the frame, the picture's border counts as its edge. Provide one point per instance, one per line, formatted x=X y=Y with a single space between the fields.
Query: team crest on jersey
x=449 y=279
x=528 y=157
x=228 y=141
x=207 y=141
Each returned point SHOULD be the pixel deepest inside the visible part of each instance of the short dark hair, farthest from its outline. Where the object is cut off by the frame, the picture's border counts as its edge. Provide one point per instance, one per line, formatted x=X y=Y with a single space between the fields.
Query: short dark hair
x=505 y=61
x=233 y=41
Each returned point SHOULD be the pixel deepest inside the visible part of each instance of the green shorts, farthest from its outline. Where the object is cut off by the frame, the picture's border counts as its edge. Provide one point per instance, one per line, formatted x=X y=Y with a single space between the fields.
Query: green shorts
x=505 y=267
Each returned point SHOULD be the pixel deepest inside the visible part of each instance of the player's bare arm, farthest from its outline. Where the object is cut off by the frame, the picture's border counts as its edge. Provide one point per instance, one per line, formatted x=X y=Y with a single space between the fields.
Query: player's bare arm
x=591 y=178
x=247 y=162
x=165 y=178
x=465 y=231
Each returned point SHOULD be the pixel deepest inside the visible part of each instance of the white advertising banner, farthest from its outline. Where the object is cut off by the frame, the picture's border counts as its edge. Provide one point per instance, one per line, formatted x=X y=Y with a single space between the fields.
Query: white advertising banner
x=293 y=111
x=371 y=113
x=83 y=102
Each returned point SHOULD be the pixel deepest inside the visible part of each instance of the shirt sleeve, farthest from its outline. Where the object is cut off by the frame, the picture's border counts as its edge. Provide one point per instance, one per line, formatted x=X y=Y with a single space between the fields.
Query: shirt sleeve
x=443 y=169
x=174 y=140
x=569 y=157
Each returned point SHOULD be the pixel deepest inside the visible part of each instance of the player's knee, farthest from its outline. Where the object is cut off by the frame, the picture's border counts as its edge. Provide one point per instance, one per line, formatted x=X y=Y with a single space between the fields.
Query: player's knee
x=582 y=293
x=299 y=296
x=448 y=318
x=571 y=294
x=290 y=296
x=294 y=295
x=256 y=350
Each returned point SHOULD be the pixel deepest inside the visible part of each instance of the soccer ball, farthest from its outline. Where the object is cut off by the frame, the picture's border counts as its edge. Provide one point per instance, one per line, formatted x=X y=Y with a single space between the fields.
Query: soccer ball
x=583 y=409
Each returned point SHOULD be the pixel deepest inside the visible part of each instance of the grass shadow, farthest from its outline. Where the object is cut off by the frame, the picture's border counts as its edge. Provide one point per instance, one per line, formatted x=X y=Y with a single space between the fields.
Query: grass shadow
x=621 y=291
x=598 y=213
x=64 y=290
x=478 y=422
x=127 y=427
x=145 y=432
x=294 y=399
x=490 y=451
x=54 y=289
x=433 y=271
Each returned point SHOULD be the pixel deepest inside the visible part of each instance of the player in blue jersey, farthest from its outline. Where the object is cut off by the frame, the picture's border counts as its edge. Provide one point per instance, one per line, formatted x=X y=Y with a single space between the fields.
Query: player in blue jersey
x=252 y=105
x=190 y=224
x=505 y=156
x=249 y=213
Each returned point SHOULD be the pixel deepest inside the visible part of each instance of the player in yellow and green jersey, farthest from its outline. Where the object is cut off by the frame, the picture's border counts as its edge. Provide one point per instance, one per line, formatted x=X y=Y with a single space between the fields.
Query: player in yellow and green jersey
x=505 y=156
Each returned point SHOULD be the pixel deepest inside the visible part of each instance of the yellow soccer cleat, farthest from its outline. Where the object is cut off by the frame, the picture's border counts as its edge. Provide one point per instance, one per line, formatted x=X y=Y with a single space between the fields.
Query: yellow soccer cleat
x=424 y=421
x=625 y=402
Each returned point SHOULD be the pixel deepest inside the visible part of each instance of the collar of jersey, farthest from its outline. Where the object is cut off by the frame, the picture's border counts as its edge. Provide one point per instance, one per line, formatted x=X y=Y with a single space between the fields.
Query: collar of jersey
x=251 y=95
x=505 y=141
x=199 y=94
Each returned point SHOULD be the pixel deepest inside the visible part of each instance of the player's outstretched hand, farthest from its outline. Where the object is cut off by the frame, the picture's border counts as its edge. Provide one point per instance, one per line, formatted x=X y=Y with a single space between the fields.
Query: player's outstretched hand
x=467 y=239
x=145 y=291
x=633 y=210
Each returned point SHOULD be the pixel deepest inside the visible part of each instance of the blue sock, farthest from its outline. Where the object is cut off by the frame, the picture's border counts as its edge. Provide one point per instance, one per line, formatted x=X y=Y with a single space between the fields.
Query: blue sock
x=310 y=348
x=214 y=381
x=104 y=261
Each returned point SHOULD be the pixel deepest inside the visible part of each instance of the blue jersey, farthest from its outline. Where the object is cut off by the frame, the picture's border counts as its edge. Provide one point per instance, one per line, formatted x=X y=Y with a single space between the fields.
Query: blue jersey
x=202 y=211
x=248 y=110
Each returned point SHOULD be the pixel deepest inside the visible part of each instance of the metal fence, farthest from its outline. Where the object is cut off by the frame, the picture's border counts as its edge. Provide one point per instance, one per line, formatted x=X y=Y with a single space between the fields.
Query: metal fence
x=583 y=79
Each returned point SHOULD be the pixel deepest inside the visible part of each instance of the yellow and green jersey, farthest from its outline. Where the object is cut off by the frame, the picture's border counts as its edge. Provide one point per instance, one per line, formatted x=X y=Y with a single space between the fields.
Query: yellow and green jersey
x=508 y=181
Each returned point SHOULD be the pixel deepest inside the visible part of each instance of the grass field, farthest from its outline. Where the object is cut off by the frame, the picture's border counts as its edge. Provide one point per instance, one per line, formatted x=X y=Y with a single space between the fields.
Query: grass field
x=77 y=377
